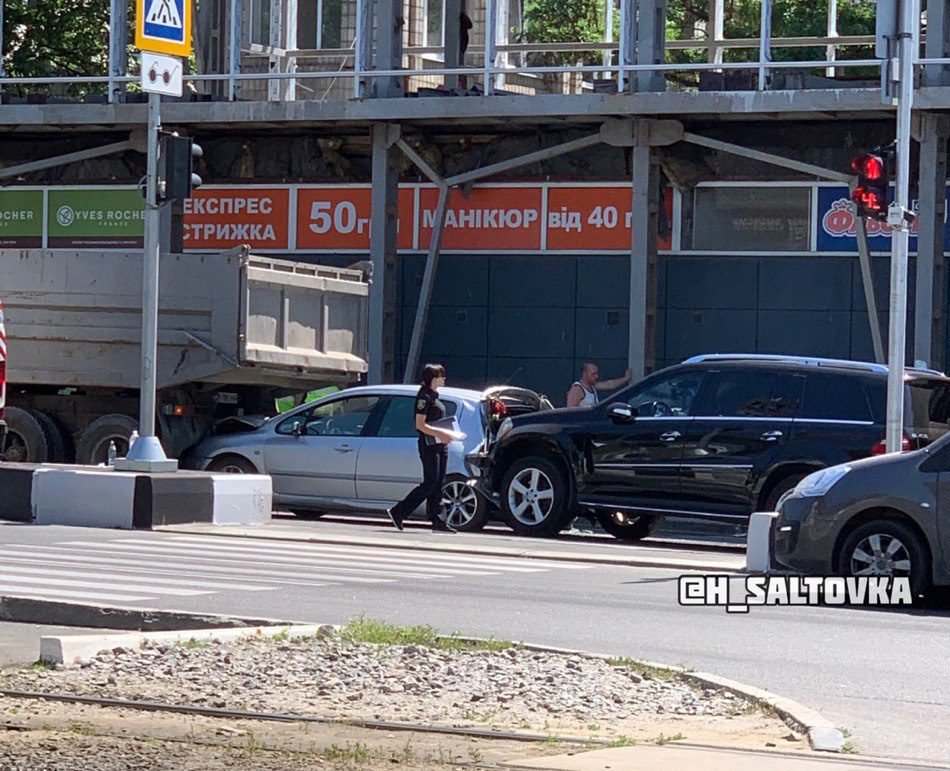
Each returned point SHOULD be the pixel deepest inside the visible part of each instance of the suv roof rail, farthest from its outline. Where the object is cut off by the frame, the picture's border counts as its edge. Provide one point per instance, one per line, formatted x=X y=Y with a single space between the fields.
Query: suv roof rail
x=808 y=361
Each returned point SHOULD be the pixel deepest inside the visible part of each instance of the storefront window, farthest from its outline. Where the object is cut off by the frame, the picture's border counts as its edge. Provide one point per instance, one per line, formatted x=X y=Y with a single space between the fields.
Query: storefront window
x=761 y=218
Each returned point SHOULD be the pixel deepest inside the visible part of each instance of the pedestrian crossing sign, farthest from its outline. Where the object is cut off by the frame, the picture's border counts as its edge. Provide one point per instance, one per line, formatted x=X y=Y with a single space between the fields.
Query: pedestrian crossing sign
x=163 y=26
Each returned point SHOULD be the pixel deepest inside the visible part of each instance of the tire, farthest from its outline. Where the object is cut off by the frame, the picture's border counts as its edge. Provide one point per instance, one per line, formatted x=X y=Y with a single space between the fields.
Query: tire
x=465 y=510
x=232 y=464
x=780 y=489
x=26 y=440
x=55 y=437
x=547 y=514
x=631 y=529
x=908 y=556
x=93 y=447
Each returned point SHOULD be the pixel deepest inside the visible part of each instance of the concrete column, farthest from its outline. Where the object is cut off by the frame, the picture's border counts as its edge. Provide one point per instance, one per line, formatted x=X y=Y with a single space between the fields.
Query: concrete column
x=651 y=43
x=641 y=350
x=929 y=318
x=382 y=244
x=938 y=43
x=390 y=20
x=453 y=58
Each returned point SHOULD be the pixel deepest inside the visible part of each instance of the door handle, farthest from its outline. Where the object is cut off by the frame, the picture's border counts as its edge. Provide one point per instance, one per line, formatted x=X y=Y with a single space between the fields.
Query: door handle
x=343 y=448
x=670 y=436
x=771 y=436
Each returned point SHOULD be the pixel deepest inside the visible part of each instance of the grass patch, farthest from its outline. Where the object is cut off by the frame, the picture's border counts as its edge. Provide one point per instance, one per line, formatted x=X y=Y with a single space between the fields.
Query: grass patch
x=41 y=666
x=663 y=739
x=645 y=671
x=192 y=644
x=350 y=753
x=367 y=630
x=622 y=741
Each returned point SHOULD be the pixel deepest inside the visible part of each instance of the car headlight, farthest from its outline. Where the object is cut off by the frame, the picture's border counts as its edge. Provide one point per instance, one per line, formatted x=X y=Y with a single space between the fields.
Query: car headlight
x=821 y=482
x=504 y=428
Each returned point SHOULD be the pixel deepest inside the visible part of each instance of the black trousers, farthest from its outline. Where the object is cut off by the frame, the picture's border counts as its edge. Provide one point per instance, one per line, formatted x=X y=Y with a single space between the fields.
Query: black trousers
x=434 y=458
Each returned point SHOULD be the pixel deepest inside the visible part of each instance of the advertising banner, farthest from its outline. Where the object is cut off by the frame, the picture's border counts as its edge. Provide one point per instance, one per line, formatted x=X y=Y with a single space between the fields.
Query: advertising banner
x=95 y=218
x=21 y=219
x=837 y=225
x=219 y=218
x=597 y=218
x=338 y=218
x=490 y=218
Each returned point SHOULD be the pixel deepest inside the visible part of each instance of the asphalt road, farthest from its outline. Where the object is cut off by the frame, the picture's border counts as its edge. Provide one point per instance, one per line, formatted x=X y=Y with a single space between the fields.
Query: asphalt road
x=882 y=674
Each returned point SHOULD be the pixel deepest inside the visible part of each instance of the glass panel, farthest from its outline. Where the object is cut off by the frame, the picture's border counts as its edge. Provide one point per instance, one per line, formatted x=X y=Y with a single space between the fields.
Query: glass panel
x=435 y=10
x=739 y=219
x=930 y=407
x=343 y=417
x=668 y=397
x=400 y=418
x=260 y=22
x=834 y=397
x=331 y=25
x=740 y=394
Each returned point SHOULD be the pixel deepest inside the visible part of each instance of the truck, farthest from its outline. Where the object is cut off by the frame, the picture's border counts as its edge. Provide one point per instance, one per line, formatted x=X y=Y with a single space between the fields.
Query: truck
x=236 y=331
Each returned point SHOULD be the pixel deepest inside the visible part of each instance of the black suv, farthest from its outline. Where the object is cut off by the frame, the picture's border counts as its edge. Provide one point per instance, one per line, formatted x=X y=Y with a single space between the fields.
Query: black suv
x=716 y=437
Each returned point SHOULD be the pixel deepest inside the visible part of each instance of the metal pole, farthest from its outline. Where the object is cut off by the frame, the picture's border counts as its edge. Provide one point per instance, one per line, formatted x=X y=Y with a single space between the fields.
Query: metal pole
x=642 y=249
x=910 y=16
x=489 y=45
x=425 y=291
x=765 y=44
x=608 y=33
x=715 y=32
x=118 y=44
x=831 y=31
x=234 y=48
x=3 y=72
x=147 y=452
x=864 y=258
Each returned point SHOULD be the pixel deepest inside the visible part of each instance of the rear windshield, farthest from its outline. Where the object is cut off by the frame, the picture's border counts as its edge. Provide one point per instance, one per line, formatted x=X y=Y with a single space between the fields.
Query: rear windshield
x=929 y=407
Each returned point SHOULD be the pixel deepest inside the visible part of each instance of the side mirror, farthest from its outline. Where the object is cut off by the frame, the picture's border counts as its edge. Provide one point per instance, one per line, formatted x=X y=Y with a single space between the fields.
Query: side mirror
x=621 y=413
x=297 y=429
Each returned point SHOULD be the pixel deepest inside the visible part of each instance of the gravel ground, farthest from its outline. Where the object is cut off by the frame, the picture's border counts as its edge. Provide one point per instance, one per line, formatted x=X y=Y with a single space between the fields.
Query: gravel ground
x=327 y=676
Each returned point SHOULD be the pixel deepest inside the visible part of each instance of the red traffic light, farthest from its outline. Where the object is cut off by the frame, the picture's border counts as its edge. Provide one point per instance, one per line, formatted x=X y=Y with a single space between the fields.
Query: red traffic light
x=869 y=200
x=870 y=167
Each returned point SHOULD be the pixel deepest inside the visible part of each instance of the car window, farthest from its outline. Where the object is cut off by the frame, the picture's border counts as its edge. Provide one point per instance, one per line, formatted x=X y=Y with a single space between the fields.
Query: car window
x=929 y=406
x=668 y=396
x=751 y=394
x=341 y=417
x=400 y=418
x=834 y=397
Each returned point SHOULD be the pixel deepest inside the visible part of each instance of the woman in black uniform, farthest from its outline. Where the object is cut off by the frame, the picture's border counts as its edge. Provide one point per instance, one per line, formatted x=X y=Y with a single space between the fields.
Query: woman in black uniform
x=433 y=450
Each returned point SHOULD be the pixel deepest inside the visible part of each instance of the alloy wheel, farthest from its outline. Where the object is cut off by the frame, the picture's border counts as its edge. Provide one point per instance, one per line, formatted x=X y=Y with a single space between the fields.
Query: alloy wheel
x=460 y=502
x=880 y=554
x=530 y=496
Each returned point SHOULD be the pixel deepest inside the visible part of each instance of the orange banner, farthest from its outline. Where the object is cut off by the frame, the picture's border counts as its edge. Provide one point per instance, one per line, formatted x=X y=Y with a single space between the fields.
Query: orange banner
x=594 y=218
x=218 y=219
x=496 y=218
x=338 y=218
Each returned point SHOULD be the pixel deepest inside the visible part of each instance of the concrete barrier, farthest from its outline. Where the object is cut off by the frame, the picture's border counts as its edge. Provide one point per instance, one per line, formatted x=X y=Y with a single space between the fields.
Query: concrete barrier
x=16 y=491
x=758 y=554
x=97 y=496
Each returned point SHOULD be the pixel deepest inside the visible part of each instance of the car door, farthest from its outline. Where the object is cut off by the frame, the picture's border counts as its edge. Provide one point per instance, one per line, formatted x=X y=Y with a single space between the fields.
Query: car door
x=741 y=427
x=636 y=465
x=388 y=466
x=313 y=452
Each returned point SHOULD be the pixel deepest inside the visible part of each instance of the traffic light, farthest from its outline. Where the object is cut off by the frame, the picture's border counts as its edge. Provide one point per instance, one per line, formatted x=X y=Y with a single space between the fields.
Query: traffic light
x=178 y=177
x=870 y=194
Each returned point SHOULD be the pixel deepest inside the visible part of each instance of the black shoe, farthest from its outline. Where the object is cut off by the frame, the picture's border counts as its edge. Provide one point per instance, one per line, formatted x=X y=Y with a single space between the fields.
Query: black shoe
x=441 y=526
x=395 y=519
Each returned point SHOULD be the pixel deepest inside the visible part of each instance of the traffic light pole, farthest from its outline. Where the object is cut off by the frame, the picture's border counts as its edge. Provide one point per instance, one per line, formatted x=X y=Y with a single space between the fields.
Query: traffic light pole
x=908 y=37
x=147 y=453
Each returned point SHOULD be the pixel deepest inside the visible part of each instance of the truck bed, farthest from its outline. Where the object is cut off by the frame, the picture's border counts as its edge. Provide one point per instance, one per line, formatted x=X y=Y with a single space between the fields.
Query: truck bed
x=74 y=320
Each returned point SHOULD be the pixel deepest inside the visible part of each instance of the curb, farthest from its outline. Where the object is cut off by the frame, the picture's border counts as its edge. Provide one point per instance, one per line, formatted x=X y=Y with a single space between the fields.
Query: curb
x=49 y=613
x=485 y=551
x=70 y=649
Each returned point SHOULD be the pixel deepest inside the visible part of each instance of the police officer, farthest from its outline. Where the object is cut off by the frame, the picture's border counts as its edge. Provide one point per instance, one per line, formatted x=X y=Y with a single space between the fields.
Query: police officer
x=433 y=450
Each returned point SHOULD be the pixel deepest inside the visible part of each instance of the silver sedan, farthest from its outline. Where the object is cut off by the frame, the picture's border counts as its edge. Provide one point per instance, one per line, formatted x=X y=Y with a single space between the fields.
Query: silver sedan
x=357 y=450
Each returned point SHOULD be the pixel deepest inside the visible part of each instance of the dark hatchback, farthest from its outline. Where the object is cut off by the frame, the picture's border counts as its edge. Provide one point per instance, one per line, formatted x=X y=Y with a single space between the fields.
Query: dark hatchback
x=717 y=437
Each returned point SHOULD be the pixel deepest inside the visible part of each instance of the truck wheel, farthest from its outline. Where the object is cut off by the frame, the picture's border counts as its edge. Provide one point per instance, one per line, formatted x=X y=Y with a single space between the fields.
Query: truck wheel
x=93 y=447
x=534 y=497
x=26 y=440
x=55 y=438
x=633 y=528
x=232 y=464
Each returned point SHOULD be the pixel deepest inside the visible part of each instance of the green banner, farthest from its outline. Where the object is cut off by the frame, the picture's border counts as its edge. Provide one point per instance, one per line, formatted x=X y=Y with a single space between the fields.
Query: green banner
x=21 y=219
x=90 y=218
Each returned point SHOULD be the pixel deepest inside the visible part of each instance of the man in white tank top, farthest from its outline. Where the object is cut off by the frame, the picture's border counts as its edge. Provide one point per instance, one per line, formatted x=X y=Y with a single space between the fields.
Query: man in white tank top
x=583 y=392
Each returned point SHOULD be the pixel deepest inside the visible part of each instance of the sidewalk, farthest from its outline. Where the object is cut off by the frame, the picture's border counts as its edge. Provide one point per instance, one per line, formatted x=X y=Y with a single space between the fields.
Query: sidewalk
x=20 y=643
x=670 y=757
